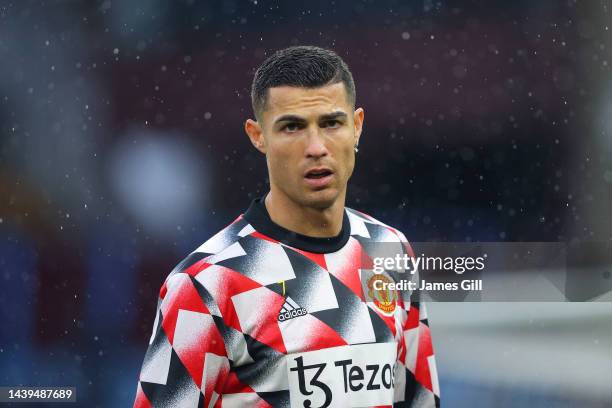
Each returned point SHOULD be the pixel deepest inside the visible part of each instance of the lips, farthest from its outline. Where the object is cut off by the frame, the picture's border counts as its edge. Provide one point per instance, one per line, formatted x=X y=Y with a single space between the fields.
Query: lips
x=318 y=177
x=318 y=173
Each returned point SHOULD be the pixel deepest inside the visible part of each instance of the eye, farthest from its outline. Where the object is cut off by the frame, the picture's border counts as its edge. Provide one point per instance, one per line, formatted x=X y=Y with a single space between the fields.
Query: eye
x=332 y=124
x=291 y=127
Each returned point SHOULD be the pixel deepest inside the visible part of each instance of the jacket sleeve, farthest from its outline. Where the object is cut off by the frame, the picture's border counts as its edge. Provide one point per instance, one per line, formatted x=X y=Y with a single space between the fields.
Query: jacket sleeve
x=186 y=362
x=416 y=381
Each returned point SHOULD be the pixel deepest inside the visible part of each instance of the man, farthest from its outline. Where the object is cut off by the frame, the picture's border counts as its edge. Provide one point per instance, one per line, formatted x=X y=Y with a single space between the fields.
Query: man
x=275 y=309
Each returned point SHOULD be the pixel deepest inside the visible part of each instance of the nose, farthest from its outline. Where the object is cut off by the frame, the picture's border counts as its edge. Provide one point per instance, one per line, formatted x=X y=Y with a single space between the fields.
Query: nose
x=315 y=145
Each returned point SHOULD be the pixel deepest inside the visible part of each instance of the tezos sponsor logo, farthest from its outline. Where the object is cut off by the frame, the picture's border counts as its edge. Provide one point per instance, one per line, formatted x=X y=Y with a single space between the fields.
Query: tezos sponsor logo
x=345 y=376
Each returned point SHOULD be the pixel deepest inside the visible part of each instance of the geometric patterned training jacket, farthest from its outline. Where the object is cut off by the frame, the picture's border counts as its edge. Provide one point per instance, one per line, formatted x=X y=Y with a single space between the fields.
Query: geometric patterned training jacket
x=259 y=316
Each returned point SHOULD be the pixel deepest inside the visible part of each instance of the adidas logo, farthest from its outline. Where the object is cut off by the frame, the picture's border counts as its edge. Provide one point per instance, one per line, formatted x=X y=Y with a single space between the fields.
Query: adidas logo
x=290 y=310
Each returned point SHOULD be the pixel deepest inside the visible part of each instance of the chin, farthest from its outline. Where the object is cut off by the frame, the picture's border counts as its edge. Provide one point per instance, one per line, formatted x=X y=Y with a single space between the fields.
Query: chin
x=321 y=199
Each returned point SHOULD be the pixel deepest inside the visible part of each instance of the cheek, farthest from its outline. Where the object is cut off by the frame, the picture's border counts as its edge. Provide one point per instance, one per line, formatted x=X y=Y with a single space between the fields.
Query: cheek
x=279 y=162
x=348 y=159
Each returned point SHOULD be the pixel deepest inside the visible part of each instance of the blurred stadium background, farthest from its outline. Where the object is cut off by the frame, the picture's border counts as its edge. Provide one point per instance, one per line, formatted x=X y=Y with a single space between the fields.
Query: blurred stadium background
x=122 y=149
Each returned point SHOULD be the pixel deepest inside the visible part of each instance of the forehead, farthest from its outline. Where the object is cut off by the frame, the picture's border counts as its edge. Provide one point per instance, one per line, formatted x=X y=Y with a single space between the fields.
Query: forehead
x=294 y=100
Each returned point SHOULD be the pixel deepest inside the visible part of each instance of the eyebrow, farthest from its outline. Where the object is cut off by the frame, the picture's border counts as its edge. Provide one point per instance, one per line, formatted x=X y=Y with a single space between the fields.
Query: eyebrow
x=299 y=119
x=289 y=118
x=334 y=115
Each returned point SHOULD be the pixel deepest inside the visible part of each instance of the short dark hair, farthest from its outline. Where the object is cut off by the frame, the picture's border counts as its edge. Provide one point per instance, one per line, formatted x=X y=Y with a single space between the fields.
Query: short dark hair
x=300 y=66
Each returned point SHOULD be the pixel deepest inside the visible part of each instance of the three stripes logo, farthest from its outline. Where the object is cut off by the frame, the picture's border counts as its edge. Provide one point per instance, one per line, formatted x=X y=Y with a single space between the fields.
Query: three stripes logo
x=290 y=310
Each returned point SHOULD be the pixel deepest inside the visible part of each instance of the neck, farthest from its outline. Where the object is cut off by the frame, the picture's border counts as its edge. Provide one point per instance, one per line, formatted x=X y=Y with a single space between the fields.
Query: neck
x=309 y=221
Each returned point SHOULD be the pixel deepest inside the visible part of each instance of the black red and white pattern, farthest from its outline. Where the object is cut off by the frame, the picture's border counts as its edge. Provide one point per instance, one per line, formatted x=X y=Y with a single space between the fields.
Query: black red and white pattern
x=251 y=319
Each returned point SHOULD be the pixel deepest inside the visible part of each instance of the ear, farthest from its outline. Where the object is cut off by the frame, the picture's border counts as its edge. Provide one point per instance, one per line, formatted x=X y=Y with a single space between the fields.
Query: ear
x=255 y=133
x=358 y=122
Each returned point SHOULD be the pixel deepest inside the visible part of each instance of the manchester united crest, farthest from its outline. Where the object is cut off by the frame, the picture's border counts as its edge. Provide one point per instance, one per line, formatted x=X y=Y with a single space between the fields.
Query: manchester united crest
x=384 y=299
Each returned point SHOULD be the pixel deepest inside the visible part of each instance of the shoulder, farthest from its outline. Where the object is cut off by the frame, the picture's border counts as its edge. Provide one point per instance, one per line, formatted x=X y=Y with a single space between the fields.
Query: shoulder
x=368 y=227
x=226 y=237
x=215 y=245
x=360 y=220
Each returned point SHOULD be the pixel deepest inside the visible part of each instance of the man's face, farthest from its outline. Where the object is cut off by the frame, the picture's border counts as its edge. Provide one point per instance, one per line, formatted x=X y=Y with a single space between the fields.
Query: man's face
x=309 y=137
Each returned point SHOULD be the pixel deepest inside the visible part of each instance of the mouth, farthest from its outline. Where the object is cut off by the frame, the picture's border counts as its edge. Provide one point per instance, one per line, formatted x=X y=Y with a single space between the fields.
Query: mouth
x=318 y=173
x=319 y=177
